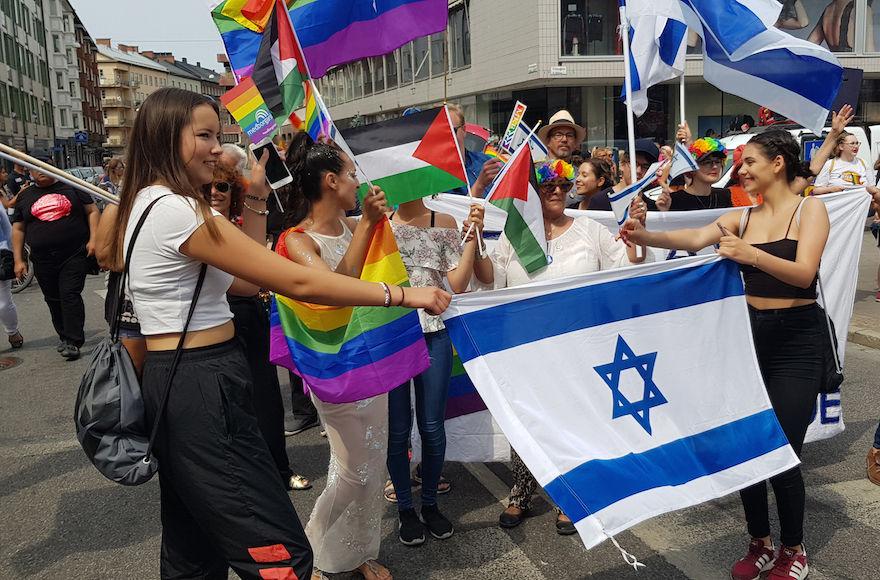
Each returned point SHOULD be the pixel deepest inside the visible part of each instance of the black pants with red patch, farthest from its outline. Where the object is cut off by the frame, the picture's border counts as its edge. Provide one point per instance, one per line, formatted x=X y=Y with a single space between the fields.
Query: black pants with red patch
x=223 y=503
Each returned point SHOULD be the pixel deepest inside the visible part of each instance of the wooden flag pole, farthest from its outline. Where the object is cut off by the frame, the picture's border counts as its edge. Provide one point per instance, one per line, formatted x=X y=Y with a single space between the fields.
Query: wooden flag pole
x=26 y=160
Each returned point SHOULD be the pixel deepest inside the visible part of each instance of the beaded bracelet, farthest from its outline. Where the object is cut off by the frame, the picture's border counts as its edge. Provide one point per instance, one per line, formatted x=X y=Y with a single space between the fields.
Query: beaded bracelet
x=387 y=294
x=262 y=212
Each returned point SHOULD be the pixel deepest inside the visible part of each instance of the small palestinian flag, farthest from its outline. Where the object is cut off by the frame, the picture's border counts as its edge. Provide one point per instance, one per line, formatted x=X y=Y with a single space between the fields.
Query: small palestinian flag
x=409 y=157
x=280 y=68
x=516 y=191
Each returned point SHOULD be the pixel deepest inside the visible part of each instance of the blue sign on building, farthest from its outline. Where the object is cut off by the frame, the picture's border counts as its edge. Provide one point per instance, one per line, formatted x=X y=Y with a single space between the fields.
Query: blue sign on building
x=81 y=137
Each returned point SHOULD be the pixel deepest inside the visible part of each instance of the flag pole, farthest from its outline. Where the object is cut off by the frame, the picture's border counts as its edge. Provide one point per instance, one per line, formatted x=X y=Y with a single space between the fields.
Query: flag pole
x=627 y=78
x=681 y=99
x=627 y=81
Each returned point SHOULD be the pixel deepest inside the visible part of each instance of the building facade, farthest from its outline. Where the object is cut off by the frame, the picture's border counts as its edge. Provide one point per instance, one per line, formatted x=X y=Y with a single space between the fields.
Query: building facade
x=125 y=78
x=554 y=54
x=26 y=119
x=89 y=129
x=64 y=79
x=231 y=132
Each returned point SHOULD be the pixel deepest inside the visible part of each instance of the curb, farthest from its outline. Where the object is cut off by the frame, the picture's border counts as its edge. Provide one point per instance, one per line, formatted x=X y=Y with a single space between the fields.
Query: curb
x=864 y=337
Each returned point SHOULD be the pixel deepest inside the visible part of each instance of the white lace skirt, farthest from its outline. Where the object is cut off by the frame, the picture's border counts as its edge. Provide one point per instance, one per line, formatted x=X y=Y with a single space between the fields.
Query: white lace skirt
x=345 y=526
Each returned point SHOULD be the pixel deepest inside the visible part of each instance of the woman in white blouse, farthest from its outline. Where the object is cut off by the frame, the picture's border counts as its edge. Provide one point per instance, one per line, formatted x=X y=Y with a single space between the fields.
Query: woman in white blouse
x=573 y=246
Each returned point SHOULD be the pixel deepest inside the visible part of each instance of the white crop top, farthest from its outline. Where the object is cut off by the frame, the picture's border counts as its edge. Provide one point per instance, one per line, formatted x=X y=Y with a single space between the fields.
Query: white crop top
x=162 y=280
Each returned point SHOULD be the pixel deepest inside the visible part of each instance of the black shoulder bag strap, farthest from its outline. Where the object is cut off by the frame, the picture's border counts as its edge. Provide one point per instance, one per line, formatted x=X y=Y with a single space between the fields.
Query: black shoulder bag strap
x=177 y=352
x=120 y=294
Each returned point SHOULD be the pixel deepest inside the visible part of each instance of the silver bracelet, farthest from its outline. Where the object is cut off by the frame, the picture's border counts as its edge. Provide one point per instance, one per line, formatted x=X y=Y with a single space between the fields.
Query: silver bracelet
x=387 y=294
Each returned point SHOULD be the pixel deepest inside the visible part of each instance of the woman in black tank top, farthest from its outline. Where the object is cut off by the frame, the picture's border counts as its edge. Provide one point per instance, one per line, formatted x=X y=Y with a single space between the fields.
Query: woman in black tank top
x=778 y=246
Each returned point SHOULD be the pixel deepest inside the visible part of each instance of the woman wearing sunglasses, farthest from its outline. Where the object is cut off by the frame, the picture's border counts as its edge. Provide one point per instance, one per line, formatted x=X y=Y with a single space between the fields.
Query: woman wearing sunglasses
x=230 y=195
x=711 y=156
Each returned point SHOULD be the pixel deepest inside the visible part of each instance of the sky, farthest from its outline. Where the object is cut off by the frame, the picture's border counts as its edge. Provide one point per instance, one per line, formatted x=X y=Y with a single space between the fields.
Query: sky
x=183 y=27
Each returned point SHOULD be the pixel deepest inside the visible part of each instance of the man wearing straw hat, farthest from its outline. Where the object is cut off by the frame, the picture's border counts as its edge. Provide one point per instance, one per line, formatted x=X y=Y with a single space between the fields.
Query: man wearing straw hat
x=59 y=224
x=562 y=136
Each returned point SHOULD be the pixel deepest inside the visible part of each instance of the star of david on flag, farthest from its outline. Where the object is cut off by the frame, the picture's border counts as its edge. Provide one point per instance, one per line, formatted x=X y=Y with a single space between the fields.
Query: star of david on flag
x=625 y=359
x=615 y=429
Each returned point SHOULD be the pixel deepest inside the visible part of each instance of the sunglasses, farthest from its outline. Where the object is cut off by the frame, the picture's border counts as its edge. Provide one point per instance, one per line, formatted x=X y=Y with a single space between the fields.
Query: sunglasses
x=222 y=186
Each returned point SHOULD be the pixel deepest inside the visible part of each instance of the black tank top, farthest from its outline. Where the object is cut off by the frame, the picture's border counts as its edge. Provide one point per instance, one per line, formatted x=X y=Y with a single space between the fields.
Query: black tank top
x=760 y=283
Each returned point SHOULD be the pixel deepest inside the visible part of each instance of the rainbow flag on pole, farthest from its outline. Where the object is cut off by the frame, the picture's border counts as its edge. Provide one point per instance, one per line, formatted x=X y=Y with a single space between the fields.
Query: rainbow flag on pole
x=347 y=354
x=246 y=104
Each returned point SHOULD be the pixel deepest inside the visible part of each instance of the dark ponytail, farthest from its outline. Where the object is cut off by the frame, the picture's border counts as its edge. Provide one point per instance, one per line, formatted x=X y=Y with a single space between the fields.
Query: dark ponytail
x=777 y=142
x=307 y=162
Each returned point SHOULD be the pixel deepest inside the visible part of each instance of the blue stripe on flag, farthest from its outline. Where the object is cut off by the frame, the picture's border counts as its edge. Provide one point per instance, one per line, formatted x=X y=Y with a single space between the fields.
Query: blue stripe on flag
x=600 y=483
x=633 y=69
x=730 y=22
x=670 y=40
x=509 y=325
x=804 y=75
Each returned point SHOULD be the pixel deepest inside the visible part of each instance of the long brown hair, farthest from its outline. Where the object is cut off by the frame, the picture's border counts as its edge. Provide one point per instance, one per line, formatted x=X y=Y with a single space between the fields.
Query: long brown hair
x=154 y=155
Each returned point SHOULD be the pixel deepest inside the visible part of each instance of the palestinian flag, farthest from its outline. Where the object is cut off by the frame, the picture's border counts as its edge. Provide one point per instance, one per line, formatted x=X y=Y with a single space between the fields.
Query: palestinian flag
x=280 y=69
x=516 y=191
x=409 y=157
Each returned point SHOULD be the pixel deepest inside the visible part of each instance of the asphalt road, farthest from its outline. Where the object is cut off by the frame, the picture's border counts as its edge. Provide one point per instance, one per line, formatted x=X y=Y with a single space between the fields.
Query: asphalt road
x=60 y=519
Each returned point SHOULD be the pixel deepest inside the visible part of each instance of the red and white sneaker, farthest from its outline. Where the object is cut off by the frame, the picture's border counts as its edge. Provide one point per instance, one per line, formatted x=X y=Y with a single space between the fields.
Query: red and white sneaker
x=789 y=565
x=759 y=559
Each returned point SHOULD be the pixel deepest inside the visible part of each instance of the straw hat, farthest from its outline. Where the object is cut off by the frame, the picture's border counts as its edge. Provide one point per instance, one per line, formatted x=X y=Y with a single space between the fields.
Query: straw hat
x=561 y=119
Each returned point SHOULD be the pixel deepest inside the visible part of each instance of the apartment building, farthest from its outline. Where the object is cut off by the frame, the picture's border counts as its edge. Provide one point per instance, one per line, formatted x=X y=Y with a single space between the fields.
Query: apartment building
x=89 y=129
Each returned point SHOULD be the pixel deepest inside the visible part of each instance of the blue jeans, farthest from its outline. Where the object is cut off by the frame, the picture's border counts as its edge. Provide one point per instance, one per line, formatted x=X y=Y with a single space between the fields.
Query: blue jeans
x=432 y=390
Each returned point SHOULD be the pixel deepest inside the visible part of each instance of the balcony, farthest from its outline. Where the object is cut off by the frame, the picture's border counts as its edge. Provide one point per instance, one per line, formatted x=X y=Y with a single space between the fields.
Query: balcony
x=115 y=82
x=117 y=122
x=116 y=103
x=114 y=142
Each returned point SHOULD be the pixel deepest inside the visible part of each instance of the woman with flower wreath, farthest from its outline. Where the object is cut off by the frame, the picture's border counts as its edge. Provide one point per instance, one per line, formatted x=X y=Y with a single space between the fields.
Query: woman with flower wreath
x=573 y=246
x=711 y=156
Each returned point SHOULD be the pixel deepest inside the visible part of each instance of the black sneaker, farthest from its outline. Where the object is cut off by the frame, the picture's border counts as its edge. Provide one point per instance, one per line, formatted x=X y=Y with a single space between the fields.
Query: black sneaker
x=437 y=524
x=70 y=352
x=297 y=426
x=61 y=346
x=410 y=530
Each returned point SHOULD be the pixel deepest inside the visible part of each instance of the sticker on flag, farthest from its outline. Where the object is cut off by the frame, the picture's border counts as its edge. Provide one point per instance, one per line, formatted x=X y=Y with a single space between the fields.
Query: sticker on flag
x=245 y=103
x=659 y=411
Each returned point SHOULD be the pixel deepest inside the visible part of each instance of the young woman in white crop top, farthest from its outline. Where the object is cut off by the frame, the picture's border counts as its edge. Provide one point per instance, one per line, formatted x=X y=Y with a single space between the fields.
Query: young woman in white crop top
x=223 y=503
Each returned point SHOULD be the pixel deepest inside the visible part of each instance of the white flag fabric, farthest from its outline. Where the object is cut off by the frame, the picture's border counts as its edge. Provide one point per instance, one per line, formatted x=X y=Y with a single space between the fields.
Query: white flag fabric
x=658 y=46
x=746 y=55
x=659 y=410
x=682 y=161
x=620 y=201
x=539 y=150
x=839 y=271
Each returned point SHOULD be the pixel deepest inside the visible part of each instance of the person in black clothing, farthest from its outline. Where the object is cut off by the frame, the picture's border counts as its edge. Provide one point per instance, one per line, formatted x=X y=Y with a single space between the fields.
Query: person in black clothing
x=17 y=180
x=711 y=156
x=59 y=224
x=592 y=185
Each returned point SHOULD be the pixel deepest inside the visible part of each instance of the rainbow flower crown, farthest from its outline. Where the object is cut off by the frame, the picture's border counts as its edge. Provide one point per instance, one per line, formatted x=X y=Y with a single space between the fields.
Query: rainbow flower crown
x=707 y=145
x=552 y=170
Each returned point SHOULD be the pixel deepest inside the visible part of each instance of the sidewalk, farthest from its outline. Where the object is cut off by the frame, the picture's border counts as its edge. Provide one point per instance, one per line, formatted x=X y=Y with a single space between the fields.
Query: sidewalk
x=865 y=326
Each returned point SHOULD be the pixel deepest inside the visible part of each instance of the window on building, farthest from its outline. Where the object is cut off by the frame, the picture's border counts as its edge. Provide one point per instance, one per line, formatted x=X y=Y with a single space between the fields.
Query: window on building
x=4 y=102
x=56 y=43
x=391 y=70
x=69 y=56
x=421 y=52
x=76 y=121
x=406 y=64
x=349 y=82
x=460 y=36
x=72 y=86
x=59 y=81
x=367 y=68
x=378 y=69
x=438 y=54
x=63 y=113
x=357 y=74
x=588 y=27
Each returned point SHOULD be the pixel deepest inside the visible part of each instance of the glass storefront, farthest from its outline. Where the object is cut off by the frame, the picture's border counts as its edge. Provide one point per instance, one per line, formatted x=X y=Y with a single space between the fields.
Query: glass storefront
x=589 y=27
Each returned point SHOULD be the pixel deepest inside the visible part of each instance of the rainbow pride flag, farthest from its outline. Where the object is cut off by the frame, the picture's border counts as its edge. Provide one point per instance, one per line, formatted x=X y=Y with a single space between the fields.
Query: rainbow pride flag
x=245 y=103
x=463 y=397
x=331 y=32
x=347 y=354
x=317 y=121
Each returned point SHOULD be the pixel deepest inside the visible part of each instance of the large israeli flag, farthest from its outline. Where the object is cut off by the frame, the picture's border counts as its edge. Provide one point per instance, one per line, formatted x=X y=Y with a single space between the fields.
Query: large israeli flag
x=627 y=393
x=658 y=46
x=744 y=54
